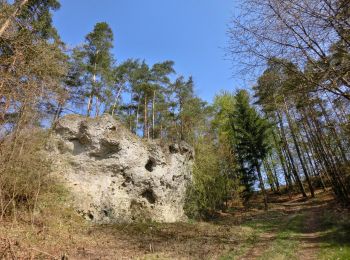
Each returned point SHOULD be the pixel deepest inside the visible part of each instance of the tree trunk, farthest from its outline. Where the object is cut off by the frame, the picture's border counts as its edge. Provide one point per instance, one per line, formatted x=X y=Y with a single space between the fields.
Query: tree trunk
x=282 y=161
x=145 y=124
x=137 y=116
x=295 y=172
x=297 y=148
x=13 y=15
x=275 y=175
x=89 y=104
x=58 y=112
x=97 y=112
x=269 y=175
x=91 y=97
x=334 y=133
x=114 y=108
x=327 y=154
x=262 y=186
x=153 y=113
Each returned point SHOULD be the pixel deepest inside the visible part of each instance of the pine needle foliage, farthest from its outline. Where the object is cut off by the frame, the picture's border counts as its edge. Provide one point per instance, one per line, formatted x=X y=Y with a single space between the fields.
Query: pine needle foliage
x=251 y=135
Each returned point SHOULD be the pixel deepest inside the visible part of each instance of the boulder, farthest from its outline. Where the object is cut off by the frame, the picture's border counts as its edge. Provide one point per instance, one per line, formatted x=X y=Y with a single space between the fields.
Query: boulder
x=115 y=176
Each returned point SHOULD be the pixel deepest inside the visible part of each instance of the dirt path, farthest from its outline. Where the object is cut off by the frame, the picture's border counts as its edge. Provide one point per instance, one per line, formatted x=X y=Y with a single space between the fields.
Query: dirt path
x=288 y=229
x=310 y=238
x=259 y=247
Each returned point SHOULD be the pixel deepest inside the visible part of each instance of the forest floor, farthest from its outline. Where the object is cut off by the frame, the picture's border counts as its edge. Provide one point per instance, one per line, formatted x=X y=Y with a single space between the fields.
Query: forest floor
x=293 y=228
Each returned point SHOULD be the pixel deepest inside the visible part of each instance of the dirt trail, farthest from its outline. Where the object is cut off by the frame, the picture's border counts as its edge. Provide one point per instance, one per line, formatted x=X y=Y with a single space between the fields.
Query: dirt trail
x=310 y=238
x=259 y=247
x=308 y=235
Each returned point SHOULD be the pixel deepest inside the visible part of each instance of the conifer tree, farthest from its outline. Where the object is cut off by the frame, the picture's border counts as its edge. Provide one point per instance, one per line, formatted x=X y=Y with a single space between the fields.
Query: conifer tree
x=250 y=138
x=97 y=61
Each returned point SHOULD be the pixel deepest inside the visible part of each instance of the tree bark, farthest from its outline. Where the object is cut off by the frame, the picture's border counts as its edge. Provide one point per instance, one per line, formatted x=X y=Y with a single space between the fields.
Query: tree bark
x=12 y=16
x=137 y=115
x=153 y=113
x=145 y=123
x=274 y=172
x=296 y=175
x=262 y=186
x=114 y=108
x=297 y=148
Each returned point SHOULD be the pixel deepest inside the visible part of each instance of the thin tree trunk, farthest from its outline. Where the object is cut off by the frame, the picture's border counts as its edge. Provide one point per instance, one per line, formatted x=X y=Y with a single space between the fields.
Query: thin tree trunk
x=145 y=124
x=161 y=131
x=57 y=113
x=298 y=151
x=334 y=133
x=114 y=108
x=327 y=154
x=274 y=172
x=137 y=115
x=153 y=113
x=7 y=23
x=262 y=186
x=97 y=113
x=269 y=175
x=91 y=96
x=315 y=155
x=89 y=104
x=295 y=172
x=282 y=161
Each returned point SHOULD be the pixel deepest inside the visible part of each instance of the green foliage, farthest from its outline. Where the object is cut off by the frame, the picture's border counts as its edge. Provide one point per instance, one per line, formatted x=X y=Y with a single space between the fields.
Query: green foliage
x=224 y=104
x=335 y=229
x=250 y=139
x=97 y=49
x=94 y=61
x=38 y=13
x=211 y=186
x=251 y=131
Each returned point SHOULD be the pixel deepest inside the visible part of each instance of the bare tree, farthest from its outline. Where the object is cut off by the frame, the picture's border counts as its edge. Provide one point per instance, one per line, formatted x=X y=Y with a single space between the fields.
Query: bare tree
x=314 y=34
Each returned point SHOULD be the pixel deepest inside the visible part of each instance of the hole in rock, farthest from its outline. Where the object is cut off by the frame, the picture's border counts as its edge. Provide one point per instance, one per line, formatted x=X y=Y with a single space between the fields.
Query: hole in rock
x=106 y=212
x=151 y=163
x=91 y=217
x=149 y=196
x=173 y=149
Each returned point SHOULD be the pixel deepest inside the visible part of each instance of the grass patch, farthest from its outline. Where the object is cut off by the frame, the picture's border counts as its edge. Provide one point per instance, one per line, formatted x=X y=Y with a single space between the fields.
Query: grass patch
x=285 y=244
x=279 y=231
x=254 y=228
x=336 y=236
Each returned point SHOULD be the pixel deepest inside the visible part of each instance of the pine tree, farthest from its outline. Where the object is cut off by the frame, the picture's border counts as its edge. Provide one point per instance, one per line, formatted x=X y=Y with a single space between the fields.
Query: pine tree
x=250 y=138
x=97 y=60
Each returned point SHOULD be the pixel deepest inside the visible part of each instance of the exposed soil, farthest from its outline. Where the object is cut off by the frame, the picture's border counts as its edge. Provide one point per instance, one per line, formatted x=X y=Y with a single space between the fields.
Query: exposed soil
x=309 y=234
x=230 y=236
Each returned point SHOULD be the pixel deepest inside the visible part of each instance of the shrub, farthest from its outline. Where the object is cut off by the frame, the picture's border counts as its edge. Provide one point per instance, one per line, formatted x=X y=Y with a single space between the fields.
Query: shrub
x=24 y=171
x=211 y=186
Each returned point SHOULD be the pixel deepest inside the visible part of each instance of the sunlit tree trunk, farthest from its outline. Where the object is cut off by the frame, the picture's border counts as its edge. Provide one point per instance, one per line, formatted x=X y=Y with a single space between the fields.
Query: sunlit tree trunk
x=262 y=186
x=91 y=96
x=275 y=175
x=297 y=148
x=291 y=159
x=7 y=22
x=153 y=114
x=145 y=123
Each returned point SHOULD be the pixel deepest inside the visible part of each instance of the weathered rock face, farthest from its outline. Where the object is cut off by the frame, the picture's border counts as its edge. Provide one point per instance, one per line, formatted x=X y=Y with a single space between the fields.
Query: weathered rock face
x=115 y=176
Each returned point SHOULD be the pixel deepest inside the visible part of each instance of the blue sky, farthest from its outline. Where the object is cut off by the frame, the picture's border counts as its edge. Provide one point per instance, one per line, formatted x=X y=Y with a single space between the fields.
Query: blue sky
x=192 y=33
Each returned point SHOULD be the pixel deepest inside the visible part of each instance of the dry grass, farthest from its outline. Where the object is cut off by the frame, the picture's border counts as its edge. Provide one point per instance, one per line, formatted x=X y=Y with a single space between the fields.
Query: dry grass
x=58 y=231
x=67 y=234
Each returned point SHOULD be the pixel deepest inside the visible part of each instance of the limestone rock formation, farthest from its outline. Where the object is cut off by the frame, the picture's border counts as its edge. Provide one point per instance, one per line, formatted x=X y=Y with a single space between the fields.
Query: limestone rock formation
x=114 y=176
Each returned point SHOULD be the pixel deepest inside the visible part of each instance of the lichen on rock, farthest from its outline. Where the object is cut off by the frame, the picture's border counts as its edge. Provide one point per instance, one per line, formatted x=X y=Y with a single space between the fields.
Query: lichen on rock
x=114 y=176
